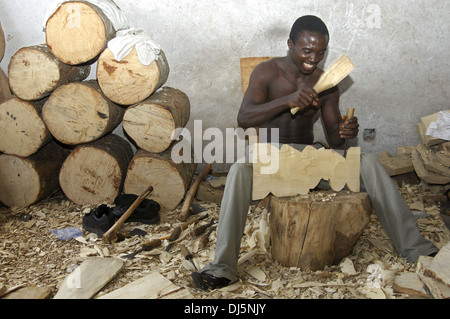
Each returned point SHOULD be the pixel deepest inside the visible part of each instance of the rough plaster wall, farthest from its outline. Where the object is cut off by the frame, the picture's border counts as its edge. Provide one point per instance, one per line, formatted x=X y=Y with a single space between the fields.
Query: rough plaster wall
x=400 y=50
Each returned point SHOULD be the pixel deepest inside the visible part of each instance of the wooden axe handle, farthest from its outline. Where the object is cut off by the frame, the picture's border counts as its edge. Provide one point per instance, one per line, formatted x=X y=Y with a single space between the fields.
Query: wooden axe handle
x=111 y=234
x=185 y=209
x=350 y=113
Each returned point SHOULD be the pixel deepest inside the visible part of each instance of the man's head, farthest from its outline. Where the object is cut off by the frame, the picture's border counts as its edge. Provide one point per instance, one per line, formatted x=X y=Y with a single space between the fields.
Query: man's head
x=308 y=42
x=307 y=23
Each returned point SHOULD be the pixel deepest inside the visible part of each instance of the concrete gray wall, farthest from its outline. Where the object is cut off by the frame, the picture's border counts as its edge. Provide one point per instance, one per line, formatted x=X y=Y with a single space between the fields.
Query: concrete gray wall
x=400 y=50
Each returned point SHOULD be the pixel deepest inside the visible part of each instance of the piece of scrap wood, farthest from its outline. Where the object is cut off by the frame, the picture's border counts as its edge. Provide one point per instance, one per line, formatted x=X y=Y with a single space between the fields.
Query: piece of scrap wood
x=424 y=174
x=400 y=164
x=30 y=292
x=430 y=162
x=439 y=268
x=88 y=278
x=431 y=287
x=152 y=286
x=410 y=284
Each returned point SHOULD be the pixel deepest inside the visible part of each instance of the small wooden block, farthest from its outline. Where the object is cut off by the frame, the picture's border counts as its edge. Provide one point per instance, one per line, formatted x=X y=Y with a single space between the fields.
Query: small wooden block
x=396 y=165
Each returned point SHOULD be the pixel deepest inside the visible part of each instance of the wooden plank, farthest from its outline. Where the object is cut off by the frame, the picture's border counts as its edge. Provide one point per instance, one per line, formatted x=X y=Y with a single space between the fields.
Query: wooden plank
x=152 y=286
x=88 y=278
x=405 y=149
x=289 y=172
x=396 y=165
x=427 y=140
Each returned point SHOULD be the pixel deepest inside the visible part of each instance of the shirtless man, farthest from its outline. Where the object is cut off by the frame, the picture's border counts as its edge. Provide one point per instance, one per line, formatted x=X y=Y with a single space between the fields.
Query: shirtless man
x=275 y=87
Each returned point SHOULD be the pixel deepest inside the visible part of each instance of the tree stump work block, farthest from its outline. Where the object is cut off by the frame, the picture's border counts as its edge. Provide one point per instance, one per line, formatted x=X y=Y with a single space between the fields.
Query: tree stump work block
x=312 y=233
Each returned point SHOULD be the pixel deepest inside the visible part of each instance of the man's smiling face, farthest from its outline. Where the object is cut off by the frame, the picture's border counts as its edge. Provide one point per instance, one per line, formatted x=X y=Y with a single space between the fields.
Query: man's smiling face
x=308 y=50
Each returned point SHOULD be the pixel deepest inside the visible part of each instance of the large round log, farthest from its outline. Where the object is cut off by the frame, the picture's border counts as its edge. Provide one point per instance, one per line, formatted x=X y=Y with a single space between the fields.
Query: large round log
x=34 y=72
x=169 y=179
x=311 y=232
x=27 y=180
x=78 y=113
x=151 y=123
x=22 y=128
x=77 y=32
x=94 y=173
x=128 y=81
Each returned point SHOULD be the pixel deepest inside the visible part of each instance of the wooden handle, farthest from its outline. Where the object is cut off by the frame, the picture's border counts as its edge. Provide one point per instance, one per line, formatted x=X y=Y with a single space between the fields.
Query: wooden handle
x=185 y=209
x=350 y=113
x=332 y=76
x=151 y=244
x=111 y=234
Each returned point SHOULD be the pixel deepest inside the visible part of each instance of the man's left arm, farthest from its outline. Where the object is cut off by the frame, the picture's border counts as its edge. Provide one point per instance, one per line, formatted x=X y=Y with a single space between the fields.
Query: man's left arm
x=337 y=127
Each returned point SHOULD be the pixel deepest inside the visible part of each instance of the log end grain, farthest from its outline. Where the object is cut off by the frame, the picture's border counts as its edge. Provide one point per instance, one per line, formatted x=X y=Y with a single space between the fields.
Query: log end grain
x=78 y=113
x=94 y=173
x=150 y=126
x=152 y=123
x=77 y=32
x=26 y=181
x=34 y=72
x=128 y=82
x=169 y=180
x=19 y=186
x=22 y=128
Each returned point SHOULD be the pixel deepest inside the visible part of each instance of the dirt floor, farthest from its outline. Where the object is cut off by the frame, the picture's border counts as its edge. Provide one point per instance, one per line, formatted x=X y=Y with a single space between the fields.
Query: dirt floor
x=32 y=255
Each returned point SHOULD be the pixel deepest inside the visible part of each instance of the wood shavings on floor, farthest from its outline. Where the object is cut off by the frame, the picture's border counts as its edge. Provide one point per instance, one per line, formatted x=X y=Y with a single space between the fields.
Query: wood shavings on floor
x=33 y=256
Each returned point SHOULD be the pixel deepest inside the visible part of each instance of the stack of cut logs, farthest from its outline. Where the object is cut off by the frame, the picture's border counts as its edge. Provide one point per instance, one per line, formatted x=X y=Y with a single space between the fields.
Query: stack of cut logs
x=430 y=160
x=57 y=126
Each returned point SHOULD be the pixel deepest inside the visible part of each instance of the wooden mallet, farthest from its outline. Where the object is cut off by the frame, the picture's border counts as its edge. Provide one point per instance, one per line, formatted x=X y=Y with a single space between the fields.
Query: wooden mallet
x=332 y=76
x=111 y=235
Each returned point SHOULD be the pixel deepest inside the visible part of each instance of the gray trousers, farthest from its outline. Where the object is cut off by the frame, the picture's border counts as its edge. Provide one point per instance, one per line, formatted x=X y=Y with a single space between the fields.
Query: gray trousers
x=388 y=204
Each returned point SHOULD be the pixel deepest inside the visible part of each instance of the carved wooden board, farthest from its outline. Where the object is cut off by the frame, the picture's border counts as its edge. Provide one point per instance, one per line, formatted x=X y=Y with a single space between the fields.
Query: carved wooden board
x=289 y=172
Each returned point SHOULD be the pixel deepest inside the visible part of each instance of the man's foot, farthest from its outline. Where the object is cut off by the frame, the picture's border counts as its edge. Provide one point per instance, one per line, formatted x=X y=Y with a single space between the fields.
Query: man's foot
x=209 y=282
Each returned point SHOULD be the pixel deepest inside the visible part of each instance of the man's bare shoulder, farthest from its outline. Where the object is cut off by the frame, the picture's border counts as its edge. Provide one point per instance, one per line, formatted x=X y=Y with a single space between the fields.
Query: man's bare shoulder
x=268 y=69
x=270 y=65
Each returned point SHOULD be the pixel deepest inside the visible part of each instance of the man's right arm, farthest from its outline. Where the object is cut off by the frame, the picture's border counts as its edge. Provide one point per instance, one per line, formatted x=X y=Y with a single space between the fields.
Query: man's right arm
x=254 y=110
